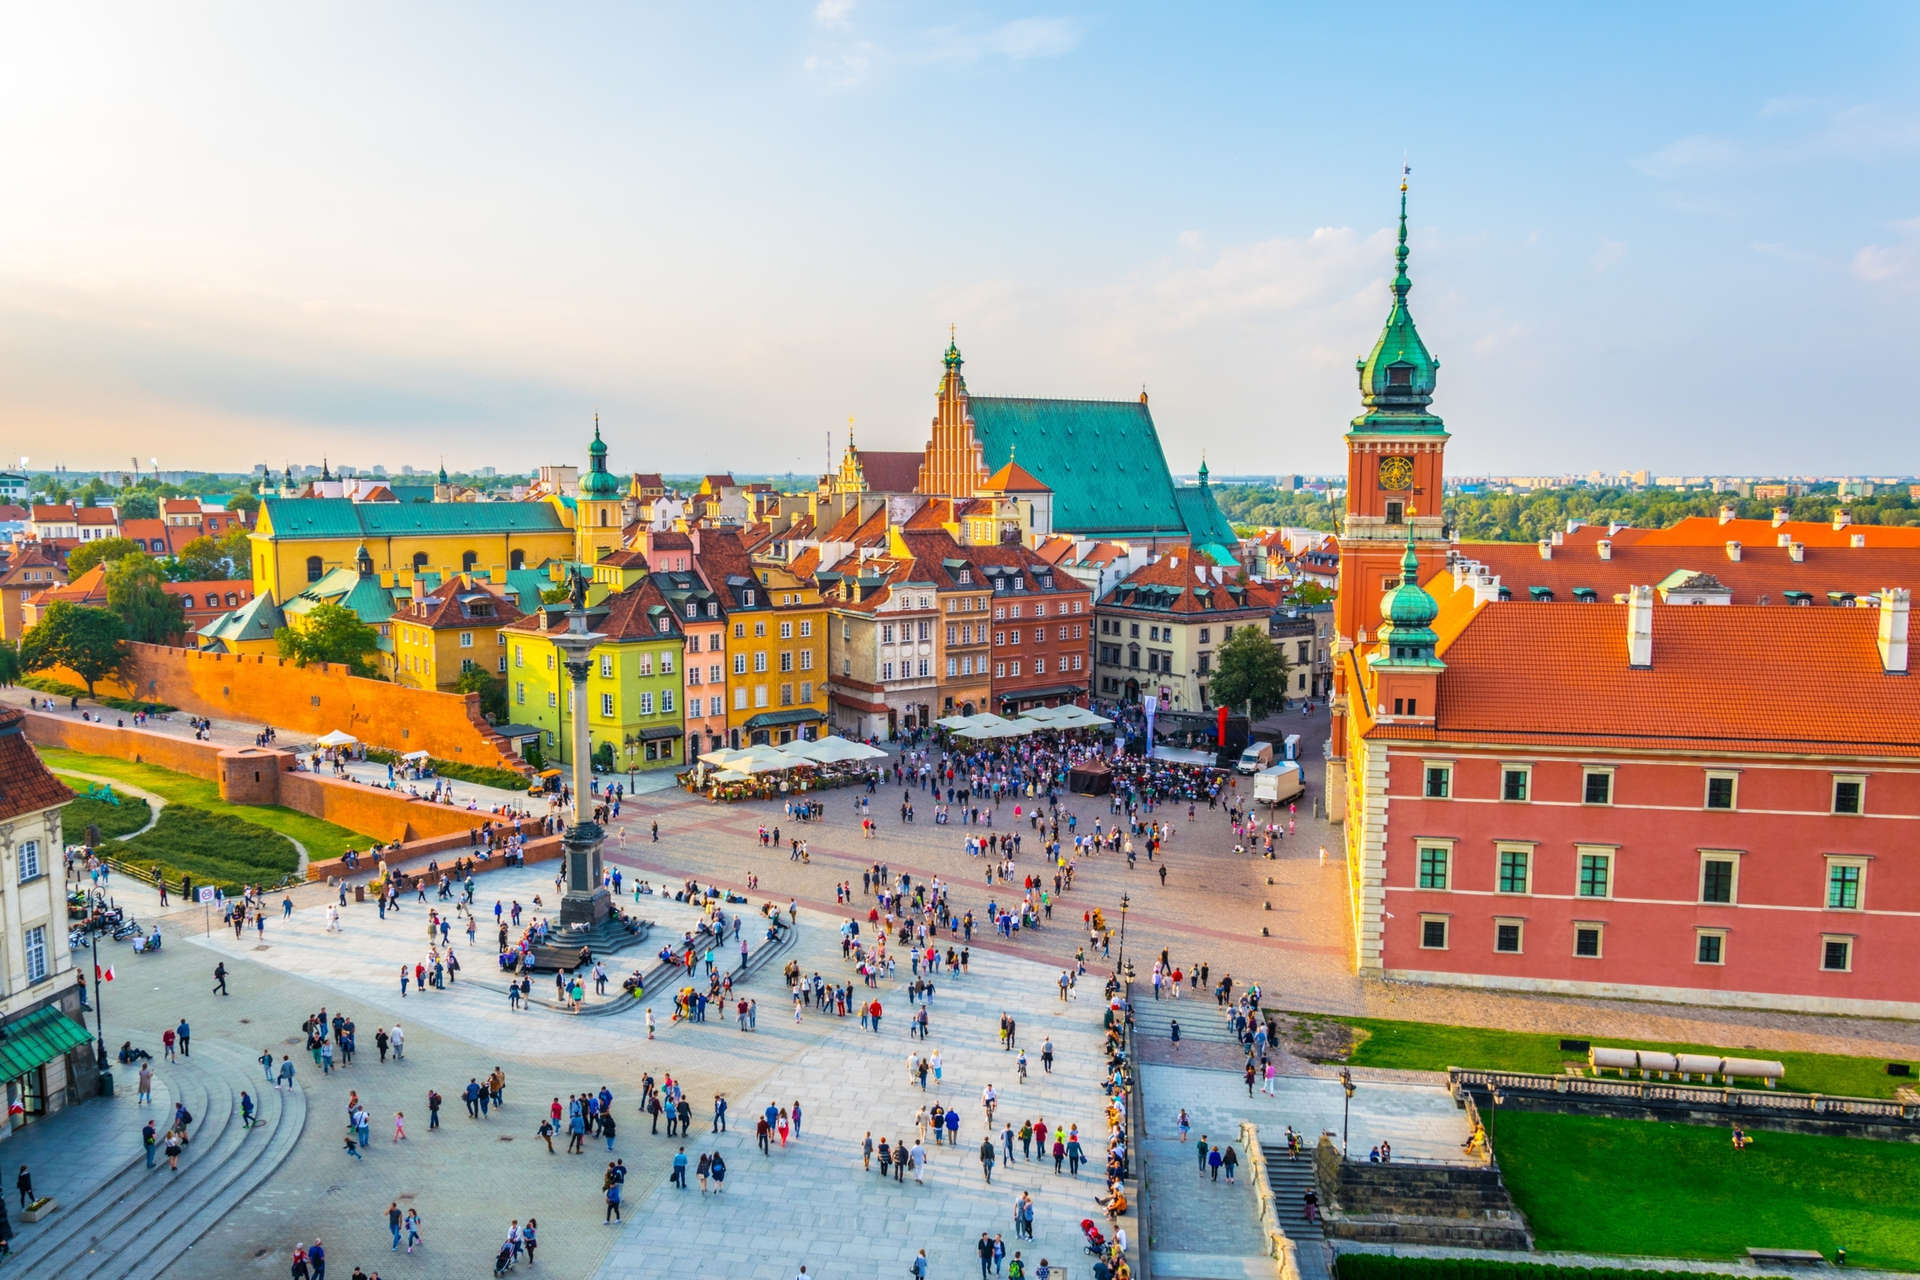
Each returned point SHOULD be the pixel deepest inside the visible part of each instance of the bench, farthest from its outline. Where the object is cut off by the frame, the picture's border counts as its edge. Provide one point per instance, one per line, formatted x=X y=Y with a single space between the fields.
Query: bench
x=1786 y=1257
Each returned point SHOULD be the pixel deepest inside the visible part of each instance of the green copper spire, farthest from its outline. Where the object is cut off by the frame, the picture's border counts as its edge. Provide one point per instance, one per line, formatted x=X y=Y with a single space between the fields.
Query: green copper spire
x=1203 y=470
x=598 y=482
x=1397 y=378
x=953 y=349
x=1407 y=638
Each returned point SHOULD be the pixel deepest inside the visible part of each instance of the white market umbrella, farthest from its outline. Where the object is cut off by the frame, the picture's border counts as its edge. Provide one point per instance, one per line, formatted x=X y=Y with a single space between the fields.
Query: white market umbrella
x=336 y=738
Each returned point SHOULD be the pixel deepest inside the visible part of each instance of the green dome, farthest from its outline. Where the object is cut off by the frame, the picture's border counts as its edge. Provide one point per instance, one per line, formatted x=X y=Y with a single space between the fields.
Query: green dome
x=598 y=482
x=1398 y=376
x=1408 y=607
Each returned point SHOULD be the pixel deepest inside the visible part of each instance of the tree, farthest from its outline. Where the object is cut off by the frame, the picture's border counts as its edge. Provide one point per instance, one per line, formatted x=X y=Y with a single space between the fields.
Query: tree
x=201 y=560
x=137 y=504
x=9 y=663
x=236 y=548
x=245 y=503
x=555 y=595
x=492 y=690
x=89 y=642
x=136 y=592
x=1250 y=668
x=331 y=633
x=89 y=554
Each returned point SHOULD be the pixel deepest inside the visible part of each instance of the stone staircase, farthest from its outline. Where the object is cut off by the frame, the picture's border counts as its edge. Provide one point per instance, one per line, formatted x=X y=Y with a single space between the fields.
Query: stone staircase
x=605 y=939
x=1200 y=1020
x=143 y=1219
x=1291 y=1180
x=662 y=974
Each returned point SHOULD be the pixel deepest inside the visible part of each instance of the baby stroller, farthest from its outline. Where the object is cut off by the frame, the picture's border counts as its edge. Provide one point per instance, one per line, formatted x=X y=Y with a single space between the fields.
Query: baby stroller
x=1096 y=1242
x=504 y=1262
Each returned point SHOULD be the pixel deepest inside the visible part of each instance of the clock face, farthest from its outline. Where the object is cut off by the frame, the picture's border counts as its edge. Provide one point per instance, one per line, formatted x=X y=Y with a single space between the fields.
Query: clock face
x=1396 y=473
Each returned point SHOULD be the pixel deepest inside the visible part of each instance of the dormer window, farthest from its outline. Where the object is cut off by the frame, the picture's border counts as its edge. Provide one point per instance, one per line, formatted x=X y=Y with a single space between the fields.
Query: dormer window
x=1400 y=375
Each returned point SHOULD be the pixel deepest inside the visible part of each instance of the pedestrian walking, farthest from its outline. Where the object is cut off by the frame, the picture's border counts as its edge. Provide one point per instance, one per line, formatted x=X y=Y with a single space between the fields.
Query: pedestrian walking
x=220 y=978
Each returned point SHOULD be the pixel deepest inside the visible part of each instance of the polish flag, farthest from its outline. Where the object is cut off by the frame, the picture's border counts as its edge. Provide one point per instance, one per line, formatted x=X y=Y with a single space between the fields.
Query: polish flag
x=109 y=973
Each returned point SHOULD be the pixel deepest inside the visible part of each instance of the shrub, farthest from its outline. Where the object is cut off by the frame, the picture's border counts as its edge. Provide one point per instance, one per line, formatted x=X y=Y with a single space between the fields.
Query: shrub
x=479 y=774
x=213 y=848
x=121 y=819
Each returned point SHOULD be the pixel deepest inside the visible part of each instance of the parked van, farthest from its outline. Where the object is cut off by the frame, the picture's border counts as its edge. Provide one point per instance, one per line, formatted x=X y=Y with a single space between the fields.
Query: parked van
x=1290 y=747
x=1256 y=757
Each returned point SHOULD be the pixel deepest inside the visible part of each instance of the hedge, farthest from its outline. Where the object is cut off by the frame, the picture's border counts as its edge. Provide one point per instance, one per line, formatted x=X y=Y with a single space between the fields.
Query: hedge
x=480 y=775
x=1380 y=1266
x=47 y=684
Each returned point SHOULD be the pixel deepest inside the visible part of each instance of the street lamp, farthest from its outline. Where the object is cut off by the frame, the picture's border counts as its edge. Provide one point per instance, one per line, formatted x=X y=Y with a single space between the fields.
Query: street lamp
x=633 y=745
x=1346 y=1107
x=1125 y=902
x=99 y=1033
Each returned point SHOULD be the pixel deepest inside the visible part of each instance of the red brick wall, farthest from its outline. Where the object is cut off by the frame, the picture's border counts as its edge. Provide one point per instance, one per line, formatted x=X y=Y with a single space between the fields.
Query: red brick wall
x=182 y=755
x=311 y=700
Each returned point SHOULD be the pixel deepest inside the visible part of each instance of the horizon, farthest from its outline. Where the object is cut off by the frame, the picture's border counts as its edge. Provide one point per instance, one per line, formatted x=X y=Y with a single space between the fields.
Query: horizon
x=271 y=234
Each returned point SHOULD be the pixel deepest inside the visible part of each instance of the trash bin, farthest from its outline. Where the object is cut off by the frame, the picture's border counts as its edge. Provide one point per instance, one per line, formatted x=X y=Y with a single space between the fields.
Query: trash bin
x=359 y=893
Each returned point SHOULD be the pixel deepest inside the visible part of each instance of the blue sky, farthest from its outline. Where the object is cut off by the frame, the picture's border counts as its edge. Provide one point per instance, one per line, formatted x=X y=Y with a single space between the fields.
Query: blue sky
x=236 y=233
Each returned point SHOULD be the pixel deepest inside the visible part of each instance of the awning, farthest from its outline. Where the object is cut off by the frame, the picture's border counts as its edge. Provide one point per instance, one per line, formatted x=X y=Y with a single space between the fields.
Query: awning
x=37 y=1039
x=658 y=732
x=1051 y=691
x=799 y=715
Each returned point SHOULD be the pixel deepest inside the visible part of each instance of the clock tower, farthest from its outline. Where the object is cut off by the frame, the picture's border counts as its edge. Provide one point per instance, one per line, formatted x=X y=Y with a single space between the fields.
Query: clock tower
x=1395 y=454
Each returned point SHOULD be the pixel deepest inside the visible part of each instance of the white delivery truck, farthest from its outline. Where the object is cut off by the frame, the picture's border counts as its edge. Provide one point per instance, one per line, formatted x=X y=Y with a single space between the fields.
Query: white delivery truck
x=1256 y=757
x=1279 y=784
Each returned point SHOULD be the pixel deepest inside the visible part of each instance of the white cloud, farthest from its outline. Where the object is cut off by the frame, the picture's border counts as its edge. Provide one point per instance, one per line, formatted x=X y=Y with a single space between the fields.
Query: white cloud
x=1191 y=241
x=832 y=13
x=1025 y=38
x=1864 y=132
x=1609 y=255
x=1890 y=263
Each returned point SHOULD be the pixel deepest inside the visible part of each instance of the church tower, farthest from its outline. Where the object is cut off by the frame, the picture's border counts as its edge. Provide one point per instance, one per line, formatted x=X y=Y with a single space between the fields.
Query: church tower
x=597 y=514
x=1396 y=450
x=953 y=467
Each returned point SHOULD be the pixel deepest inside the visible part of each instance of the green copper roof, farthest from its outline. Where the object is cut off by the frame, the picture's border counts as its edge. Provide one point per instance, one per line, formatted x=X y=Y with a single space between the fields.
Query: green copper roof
x=293 y=518
x=598 y=483
x=1407 y=637
x=1205 y=521
x=372 y=603
x=1101 y=458
x=257 y=619
x=1397 y=378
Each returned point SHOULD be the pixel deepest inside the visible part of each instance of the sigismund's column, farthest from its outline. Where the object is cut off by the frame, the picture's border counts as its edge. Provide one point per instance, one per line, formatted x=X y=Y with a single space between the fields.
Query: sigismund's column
x=585 y=902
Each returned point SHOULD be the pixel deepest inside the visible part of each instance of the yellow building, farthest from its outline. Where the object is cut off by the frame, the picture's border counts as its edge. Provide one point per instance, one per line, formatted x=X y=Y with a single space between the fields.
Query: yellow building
x=445 y=633
x=776 y=643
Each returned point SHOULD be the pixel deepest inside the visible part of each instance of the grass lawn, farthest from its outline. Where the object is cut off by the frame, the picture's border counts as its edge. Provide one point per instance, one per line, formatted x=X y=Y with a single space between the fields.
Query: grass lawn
x=322 y=839
x=214 y=848
x=1601 y=1185
x=1426 y=1046
x=76 y=816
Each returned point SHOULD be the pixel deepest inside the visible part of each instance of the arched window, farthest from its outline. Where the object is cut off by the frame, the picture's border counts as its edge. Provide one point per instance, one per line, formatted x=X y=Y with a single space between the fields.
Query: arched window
x=467 y=560
x=603 y=517
x=315 y=568
x=516 y=559
x=419 y=562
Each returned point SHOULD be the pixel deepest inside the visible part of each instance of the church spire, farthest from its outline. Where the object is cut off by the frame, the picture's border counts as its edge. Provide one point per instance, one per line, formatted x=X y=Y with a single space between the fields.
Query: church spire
x=1397 y=377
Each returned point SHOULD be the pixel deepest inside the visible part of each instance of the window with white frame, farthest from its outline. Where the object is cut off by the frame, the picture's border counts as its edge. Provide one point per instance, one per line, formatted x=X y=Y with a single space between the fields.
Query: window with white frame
x=36 y=949
x=29 y=860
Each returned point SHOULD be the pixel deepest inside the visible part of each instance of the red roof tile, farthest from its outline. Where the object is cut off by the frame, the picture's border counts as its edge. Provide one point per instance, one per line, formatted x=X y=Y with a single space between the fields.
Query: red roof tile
x=26 y=785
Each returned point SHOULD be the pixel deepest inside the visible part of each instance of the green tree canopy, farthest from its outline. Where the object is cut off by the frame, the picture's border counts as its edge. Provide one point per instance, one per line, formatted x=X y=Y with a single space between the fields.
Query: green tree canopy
x=331 y=633
x=491 y=688
x=246 y=502
x=89 y=554
x=9 y=662
x=1250 y=668
x=201 y=560
x=89 y=642
x=137 y=504
x=136 y=592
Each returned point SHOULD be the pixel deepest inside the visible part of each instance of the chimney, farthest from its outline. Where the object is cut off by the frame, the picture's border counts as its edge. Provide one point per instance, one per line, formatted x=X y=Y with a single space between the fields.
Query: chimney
x=1797 y=552
x=1546 y=549
x=1613 y=527
x=1893 y=630
x=1779 y=516
x=1841 y=518
x=1573 y=524
x=1857 y=540
x=419 y=589
x=1640 y=627
x=1726 y=513
x=1783 y=539
x=1605 y=548
x=1486 y=588
x=1559 y=538
x=1733 y=550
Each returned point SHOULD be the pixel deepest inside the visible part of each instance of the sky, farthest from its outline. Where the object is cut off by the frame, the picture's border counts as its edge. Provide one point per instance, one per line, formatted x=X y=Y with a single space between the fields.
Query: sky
x=1678 y=237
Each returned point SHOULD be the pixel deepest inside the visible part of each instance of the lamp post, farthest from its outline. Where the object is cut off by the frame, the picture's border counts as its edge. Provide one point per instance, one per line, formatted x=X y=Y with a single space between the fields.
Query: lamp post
x=99 y=1033
x=633 y=745
x=1346 y=1107
x=1125 y=902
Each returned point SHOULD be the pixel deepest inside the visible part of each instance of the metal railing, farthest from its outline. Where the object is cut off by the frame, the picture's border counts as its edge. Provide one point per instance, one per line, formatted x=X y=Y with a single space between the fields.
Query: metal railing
x=1719 y=1096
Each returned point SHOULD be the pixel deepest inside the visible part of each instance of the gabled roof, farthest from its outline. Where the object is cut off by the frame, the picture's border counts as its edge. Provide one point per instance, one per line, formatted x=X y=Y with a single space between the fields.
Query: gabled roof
x=53 y=513
x=1013 y=478
x=96 y=515
x=1763 y=574
x=1178 y=582
x=180 y=506
x=457 y=604
x=890 y=470
x=648 y=480
x=26 y=785
x=342 y=518
x=257 y=619
x=1101 y=458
